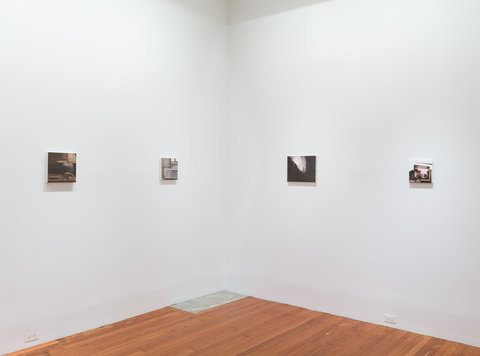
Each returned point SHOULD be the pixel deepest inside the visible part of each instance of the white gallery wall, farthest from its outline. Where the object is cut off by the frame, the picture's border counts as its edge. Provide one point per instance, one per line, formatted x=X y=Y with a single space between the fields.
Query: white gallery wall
x=122 y=84
x=365 y=86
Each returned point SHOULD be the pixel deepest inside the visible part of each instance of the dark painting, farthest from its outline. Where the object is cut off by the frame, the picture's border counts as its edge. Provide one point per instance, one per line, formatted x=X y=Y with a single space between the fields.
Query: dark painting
x=62 y=167
x=302 y=168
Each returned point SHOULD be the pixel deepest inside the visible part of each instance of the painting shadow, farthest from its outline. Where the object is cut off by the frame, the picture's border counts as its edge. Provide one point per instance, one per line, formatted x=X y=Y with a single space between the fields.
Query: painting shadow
x=302 y=184
x=421 y=185
x=58 y=187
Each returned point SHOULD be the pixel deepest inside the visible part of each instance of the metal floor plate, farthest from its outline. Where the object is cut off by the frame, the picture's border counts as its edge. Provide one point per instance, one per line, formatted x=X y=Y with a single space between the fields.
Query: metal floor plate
x=210 y=301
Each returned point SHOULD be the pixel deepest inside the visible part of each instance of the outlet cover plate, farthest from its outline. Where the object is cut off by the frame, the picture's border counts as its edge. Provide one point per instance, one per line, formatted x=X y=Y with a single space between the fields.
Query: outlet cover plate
x=390 y=318
x=30 y=337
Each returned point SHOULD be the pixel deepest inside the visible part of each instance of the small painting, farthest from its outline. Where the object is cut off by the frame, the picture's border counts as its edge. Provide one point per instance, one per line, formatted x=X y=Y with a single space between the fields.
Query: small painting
x=169 y=169
x=62 y=167
x=421 y=172
x=302 y=168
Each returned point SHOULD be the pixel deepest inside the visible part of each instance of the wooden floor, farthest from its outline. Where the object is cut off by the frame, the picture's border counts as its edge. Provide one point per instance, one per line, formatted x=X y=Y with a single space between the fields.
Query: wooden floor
x=247 y=327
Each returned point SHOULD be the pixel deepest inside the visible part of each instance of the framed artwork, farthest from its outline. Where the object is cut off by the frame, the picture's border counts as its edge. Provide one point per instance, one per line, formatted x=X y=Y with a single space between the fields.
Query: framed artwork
x=421 y=172
x=301 y=168
x=62 y=167
x=169 y=169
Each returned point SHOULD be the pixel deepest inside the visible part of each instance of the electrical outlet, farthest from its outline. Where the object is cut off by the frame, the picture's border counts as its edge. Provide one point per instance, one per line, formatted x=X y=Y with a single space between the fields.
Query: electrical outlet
x=389 y=318
x=30 y=337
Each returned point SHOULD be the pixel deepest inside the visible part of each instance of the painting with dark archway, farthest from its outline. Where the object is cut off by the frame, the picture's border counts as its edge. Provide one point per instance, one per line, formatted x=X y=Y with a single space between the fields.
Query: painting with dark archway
x=301 y=169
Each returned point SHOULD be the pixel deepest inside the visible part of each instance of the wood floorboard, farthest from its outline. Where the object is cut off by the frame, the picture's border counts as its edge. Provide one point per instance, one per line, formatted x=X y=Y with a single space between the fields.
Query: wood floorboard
x=299 y=338
x=403 y=346
x=361 y=337
x=384 y=345
x=263 y=329
x=221 y=326
x=244 y=327
x=183 y=335
x=129 y=334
